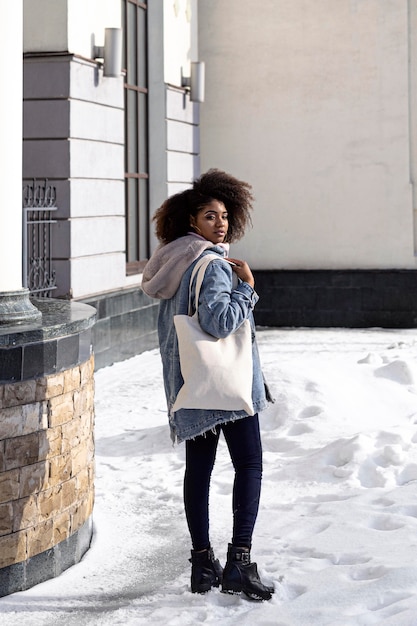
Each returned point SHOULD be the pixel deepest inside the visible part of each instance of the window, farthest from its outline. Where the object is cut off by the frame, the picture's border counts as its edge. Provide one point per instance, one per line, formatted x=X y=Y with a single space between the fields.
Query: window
x=135 y=63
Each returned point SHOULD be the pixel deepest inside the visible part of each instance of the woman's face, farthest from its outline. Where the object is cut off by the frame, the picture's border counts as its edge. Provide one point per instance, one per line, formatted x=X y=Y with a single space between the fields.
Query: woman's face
x=211 y=222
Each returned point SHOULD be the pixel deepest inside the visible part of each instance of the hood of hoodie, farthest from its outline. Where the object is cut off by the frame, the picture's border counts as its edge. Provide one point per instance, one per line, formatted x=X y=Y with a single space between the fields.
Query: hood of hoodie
x=166 y=267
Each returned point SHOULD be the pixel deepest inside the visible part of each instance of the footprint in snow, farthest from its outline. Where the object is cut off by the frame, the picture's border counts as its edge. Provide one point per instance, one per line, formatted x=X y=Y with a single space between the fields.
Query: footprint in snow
x=385 y=523
x=299 y=429
x=369 y=573
x=310 y=411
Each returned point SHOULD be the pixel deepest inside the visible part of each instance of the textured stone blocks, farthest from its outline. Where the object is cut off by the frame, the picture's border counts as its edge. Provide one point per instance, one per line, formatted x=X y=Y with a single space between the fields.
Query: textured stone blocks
x=46 y=461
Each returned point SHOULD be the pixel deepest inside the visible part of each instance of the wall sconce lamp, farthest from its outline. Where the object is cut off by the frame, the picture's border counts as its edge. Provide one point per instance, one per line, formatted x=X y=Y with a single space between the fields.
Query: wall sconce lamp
x=111 y=52
x=194 y=84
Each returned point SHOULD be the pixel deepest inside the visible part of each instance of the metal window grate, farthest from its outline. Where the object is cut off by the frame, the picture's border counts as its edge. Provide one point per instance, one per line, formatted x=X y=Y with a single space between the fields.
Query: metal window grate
x=39 y=203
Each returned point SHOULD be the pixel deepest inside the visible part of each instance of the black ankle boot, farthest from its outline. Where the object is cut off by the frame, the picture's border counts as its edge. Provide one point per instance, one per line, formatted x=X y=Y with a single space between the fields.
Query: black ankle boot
x=241 y=575
x=206 y=571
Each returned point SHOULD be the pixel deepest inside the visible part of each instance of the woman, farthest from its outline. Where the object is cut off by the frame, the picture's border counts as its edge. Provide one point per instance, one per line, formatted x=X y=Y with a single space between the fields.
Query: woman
x=201 y=220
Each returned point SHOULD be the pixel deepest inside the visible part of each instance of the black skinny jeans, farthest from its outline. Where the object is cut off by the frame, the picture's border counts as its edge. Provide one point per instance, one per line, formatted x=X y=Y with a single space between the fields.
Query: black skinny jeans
x=244 y=444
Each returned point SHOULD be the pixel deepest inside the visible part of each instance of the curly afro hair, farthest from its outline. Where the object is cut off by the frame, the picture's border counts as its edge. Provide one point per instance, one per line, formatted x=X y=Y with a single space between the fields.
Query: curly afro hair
x=173 y=217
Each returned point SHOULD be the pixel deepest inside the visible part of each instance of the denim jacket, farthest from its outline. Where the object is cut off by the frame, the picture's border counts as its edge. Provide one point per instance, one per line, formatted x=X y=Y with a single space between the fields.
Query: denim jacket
x=222 y=308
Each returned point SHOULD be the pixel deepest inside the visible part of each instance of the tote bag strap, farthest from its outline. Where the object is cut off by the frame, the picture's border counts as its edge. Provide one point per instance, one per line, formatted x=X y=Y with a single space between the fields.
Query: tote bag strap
x=199 y=270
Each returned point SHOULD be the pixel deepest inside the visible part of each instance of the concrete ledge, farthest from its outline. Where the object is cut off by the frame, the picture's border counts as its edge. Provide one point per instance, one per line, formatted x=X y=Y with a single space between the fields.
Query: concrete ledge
x=126 y=325
x=60 y=339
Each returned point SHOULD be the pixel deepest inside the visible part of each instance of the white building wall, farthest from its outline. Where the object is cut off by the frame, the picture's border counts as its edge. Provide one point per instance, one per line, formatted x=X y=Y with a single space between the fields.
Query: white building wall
x=11 y=142
x=68 y=25
x=74 y=130
x=183 y=140
x=180 y=38
x=182 y=116
x=74 y=136
x=310 y=102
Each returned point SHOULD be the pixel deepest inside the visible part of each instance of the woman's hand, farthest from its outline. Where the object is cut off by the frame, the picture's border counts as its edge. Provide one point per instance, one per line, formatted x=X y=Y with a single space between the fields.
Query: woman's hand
x=243 y=271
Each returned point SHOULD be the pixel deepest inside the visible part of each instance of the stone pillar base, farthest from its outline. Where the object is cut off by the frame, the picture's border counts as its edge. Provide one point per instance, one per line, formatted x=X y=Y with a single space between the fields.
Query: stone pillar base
x=48 y=564
x=46 y=444
x=16 y=308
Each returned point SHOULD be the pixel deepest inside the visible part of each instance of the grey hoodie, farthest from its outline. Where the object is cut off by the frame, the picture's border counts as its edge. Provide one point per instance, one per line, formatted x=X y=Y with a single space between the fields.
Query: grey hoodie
x=164 y=270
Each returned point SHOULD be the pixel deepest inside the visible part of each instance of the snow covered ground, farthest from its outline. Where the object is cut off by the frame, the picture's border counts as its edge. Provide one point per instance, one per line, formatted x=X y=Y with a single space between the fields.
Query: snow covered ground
x=337 y=527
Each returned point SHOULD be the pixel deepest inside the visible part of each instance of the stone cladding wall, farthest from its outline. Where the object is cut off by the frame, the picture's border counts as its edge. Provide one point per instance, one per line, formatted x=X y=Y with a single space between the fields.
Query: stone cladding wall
x=46 y=461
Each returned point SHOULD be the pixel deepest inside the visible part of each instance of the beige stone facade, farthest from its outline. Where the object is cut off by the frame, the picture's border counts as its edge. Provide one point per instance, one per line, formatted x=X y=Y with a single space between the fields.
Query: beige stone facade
x=46 y=461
